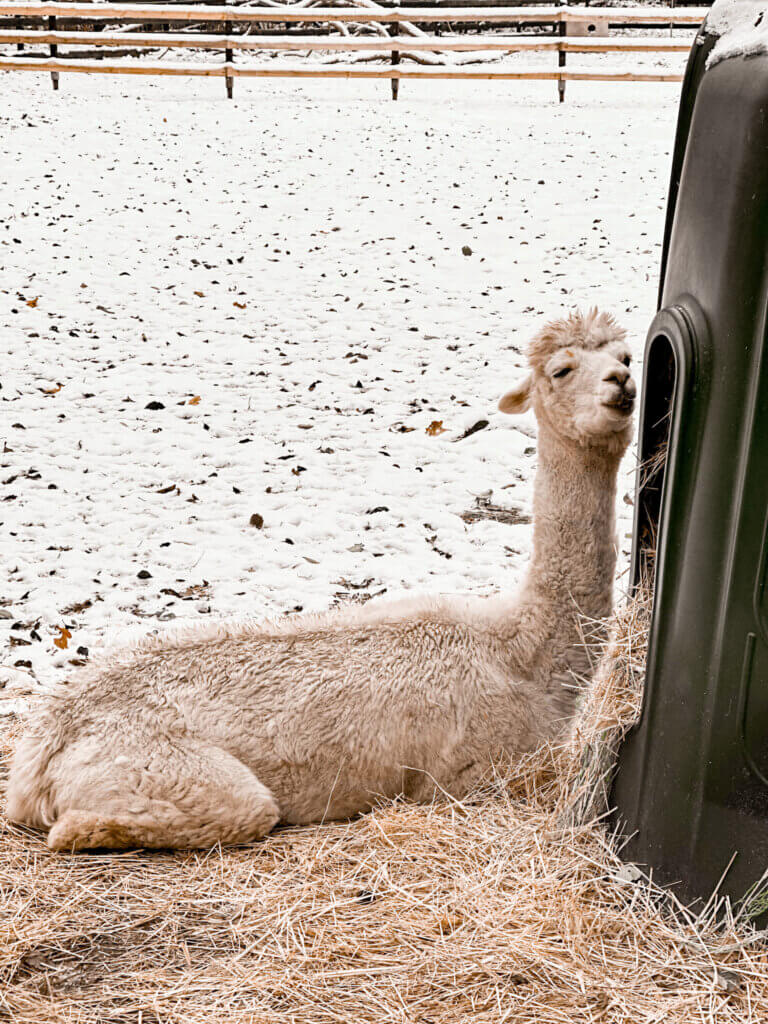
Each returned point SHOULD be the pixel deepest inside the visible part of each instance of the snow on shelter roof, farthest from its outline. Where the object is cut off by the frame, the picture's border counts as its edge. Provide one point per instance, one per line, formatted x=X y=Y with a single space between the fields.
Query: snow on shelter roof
x=742 y=26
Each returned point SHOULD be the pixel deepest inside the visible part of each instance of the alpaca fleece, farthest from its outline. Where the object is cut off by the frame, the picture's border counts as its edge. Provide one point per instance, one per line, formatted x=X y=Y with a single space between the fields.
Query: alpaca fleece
x=218 y=734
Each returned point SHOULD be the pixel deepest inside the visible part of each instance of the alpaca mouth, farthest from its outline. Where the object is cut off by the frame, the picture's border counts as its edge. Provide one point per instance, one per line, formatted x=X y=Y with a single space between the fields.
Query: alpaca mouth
x=625 y=404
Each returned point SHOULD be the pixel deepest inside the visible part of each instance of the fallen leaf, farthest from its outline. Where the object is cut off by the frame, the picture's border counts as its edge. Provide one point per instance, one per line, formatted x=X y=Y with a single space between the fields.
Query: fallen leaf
x=200 y=295
x=628 y=873
x=436 y=427
x=32 y=303
x=52 y=391
x=450 y=922
x=240 y=305
x=195 y=400
x=727 y=981
x=61 y=641
x=480 y=425
x=192 y=592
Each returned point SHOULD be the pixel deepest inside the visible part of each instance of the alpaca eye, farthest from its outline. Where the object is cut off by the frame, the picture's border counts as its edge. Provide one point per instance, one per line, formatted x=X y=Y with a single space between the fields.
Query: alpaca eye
x=626 y=360
x=562 y=373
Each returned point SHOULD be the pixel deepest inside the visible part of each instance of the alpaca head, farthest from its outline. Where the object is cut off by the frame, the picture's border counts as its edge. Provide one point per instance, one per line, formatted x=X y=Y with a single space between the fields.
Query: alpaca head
x=579 y=385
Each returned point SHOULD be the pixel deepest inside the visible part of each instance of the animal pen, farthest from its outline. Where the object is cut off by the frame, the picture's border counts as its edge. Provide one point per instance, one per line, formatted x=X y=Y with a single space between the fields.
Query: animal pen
x=560 y=30
x=514 y=905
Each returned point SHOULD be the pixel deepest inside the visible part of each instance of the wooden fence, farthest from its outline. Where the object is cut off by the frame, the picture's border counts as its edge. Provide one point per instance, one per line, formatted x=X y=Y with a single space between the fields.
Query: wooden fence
x=560 y=29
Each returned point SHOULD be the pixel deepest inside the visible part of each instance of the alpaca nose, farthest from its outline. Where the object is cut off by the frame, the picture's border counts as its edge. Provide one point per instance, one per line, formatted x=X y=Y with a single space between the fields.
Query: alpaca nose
x=620 y=376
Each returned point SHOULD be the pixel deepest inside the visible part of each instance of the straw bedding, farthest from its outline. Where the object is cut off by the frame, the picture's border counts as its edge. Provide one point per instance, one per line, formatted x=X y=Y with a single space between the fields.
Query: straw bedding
x=513 y=906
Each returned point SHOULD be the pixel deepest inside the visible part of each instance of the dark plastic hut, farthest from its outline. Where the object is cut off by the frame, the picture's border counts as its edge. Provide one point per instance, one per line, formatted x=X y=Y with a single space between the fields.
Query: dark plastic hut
x=692 y=785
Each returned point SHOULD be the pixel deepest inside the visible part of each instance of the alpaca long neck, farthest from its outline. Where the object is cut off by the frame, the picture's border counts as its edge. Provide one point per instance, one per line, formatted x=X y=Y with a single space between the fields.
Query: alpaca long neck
x=574 y=549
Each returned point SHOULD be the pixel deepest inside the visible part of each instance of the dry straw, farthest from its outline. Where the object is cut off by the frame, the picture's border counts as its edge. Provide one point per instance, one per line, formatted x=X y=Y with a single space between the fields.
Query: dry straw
x=513 y=906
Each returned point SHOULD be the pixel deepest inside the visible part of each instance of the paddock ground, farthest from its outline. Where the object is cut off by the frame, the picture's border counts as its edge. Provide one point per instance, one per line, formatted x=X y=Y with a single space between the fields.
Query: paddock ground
x=285 y=276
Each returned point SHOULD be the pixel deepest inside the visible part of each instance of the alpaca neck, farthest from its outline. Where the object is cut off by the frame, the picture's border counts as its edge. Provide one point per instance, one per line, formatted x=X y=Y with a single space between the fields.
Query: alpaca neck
x=574 y=548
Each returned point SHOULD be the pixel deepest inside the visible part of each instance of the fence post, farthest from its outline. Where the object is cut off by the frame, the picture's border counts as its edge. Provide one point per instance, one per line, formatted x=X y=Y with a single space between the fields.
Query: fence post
x=561 y=60
x=228 y=60
x=394 y=30
x=17 y=26
x=54 y=53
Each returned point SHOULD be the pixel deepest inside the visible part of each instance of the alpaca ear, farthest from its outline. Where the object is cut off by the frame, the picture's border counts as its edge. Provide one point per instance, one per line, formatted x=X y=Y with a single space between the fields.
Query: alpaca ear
x=519 y=399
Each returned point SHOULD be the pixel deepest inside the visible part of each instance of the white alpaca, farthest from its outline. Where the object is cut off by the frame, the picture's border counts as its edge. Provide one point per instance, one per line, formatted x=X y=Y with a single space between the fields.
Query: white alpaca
x=220 y=734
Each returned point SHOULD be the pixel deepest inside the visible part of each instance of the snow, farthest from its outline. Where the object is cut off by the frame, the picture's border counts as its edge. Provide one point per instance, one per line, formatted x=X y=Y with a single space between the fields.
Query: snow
x=742 y=26
x=294 y=260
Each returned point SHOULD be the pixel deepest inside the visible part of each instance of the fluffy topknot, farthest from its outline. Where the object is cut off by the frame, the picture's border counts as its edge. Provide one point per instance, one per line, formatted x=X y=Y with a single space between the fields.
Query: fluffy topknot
x=589 y=330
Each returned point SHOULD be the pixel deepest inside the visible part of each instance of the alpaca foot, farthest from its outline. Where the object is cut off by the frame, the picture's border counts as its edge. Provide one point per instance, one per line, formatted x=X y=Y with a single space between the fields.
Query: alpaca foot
x=85 y=830
x=200 y=796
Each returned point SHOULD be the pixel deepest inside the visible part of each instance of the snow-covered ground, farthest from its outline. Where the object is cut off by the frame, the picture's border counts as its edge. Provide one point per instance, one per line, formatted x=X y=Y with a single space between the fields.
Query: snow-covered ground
x=216 y=311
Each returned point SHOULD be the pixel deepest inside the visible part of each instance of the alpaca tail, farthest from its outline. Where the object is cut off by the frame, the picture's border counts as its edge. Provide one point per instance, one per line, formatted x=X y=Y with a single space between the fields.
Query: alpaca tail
x=30 y=798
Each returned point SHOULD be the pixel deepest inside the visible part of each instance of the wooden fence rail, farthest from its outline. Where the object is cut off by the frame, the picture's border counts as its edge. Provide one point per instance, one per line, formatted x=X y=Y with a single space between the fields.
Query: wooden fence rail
x=417 y=15
x=567 y=27
x=377 y=44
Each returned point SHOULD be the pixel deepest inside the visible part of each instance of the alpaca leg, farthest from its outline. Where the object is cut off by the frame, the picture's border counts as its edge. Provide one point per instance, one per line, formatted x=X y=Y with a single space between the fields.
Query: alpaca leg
x=467 y=780
x=446 y=783
x=177 y=796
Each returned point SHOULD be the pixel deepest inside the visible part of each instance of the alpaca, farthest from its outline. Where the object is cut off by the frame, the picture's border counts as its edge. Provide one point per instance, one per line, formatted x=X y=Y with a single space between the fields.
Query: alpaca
x=219 y=734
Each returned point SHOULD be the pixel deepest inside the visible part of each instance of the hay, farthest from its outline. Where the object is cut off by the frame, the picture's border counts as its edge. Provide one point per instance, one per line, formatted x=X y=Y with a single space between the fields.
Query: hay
x=611 y=706
x=486 y=911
